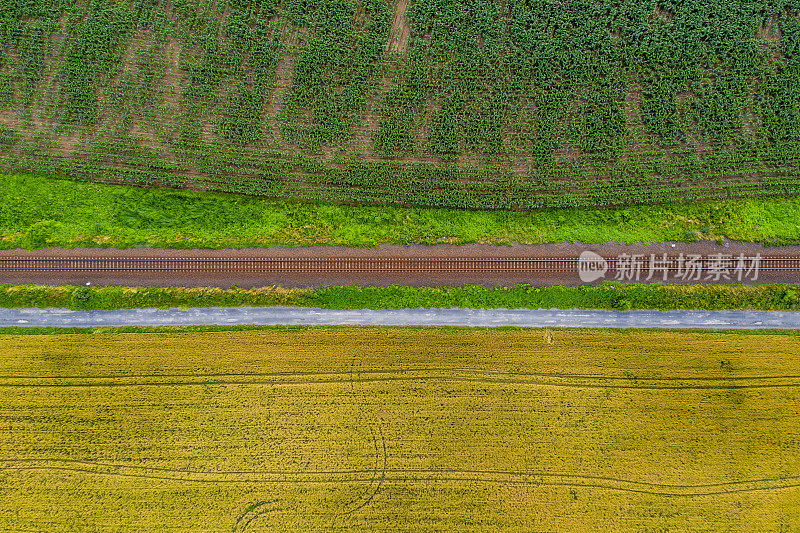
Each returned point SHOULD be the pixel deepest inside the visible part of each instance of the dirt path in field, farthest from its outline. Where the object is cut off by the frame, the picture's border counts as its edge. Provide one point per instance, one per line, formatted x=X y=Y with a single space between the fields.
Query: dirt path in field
x=401 y=29
x=728 y=252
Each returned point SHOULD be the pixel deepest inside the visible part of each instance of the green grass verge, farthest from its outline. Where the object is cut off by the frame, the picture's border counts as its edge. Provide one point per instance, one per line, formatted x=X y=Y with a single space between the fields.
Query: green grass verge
x=38 y=211
x=607 y=296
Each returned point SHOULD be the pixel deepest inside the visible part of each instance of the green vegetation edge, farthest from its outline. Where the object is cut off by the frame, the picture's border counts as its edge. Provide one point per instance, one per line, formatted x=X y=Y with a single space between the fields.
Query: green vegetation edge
x=607 y=296
x=38 y=211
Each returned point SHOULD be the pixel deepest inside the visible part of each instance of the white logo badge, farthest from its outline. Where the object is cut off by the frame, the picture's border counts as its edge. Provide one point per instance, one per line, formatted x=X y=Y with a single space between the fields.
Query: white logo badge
x=591 y=267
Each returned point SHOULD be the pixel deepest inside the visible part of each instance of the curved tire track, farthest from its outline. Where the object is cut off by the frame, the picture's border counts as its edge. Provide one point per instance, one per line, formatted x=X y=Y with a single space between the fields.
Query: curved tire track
x=390 y=475
x=379 y=471
x=251 y=512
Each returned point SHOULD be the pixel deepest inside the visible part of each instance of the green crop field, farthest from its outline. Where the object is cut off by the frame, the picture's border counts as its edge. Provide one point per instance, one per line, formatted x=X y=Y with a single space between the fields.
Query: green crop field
x=402 y=429
x=477 y=103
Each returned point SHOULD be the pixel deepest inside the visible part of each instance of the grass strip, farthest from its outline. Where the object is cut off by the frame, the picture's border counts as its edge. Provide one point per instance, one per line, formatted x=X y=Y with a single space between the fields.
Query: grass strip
x=38 y=211
x=617 y=296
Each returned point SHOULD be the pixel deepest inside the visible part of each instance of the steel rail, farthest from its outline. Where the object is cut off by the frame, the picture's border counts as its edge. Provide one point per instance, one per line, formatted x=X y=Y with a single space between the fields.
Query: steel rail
x=357 y=264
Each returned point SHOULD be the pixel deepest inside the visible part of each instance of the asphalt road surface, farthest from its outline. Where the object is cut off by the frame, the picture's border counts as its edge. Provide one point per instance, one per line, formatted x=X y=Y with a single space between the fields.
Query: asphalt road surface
x=268 y=316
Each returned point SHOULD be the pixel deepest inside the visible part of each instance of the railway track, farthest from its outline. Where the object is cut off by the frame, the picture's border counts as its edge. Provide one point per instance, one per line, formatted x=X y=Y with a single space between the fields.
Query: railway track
x=343 y=264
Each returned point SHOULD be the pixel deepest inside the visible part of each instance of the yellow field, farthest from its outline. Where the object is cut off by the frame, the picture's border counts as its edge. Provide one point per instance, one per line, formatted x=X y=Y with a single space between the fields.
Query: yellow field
x=406 y=429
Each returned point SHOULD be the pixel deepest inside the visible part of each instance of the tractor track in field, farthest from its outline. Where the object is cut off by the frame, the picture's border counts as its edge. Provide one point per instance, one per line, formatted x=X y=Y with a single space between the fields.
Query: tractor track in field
x=381 y=460
x=410 y=375
x=441 y=265
x=400 y=475
x=253 y=512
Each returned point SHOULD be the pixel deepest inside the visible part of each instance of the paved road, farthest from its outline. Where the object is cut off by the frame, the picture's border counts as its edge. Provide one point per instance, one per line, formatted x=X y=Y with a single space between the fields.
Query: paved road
x=403 y=317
